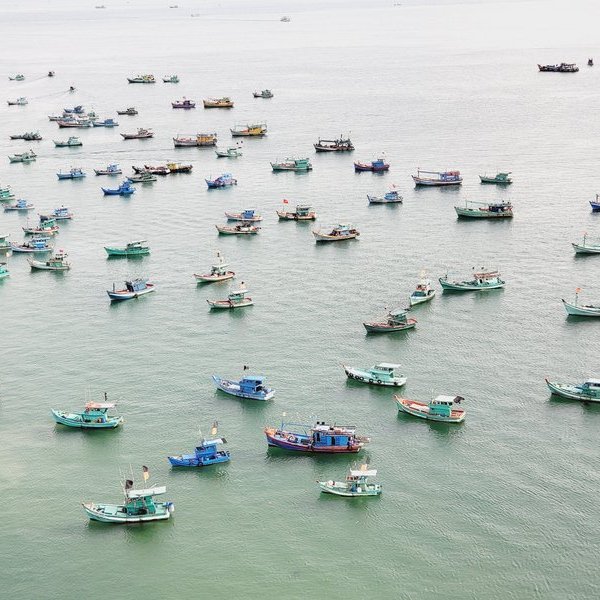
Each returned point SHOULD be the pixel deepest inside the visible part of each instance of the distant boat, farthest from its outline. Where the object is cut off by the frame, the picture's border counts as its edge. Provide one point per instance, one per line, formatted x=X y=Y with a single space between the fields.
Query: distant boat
x=139 y=248
x=242 y=228
x=19 y=205
x=72 y=141
x=4 y=272
x=74 y=173
x=292 y=164
x=441 y=408
x=133 y=289
x=376 y=166
x=422 y=293
x=251 y=387
x=585 y=247
x=254 y=130
x=45 y=227
x=232 y=152
x=105 y=123
x=391 y=197
x=590 y=62
x=142 y=177
x=142 y=79
x=4 y=243
x=303 y=212
x=561 y=68
x=498 y=178
x=235 y=299
x=263 y=94
x=94 y=416
x=55 y=263
x=175 y=168
x=248 y=215
x=25 y=157
x=28 y=136
x=337 y=234
x=184 y=103
x=485 y=210
x=35 y=245
x=58 y=214
x=339 y=145
x=131 y=111
x=139 y=135
x=356 y=484
x=224 y=102
x=588 y=391
x=438 y=179
x=112 y=169
x=154 y=170
x=581 y=310
x=199 y=139
x=285 y=19
x=18 y=77
x=481 y=280
x=205 y=454
x=595 y=204
x=379 y=374
x=170 y=79
x=224 y=180
x=22 y=101
x=218 y=272
x=395 y=320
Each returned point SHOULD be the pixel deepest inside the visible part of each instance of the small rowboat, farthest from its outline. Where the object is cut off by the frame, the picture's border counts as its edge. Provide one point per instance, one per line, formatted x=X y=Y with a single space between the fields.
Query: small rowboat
x=396 y=320
x=585 y=248
x=581 y=310
x=441 y=408
x=133 y=289
x=241 y=229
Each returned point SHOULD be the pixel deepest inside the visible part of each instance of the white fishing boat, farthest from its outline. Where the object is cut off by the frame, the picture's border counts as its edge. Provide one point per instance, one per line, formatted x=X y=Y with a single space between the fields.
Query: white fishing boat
x=236 y=299
x=218 y=272
x=422 y=293
x=585 y=247
x=356 y=483
x=337 y=234
x=581 y=310
x=242 y=228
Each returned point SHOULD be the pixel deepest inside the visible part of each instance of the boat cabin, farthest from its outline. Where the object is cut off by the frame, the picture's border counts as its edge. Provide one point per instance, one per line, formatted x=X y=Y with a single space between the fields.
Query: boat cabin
x=332 y=435
x=141 y=502
x=302 y=210
x=443 y=405
x=208 y=451
x=136 y=285
x=96 y=411
x=591 y=386
x=252 y=384
x=384 y=371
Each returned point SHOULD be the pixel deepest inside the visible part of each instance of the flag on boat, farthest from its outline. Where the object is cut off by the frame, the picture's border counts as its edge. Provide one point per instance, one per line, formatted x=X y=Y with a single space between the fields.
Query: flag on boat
x=213 y=429
x=145 y=473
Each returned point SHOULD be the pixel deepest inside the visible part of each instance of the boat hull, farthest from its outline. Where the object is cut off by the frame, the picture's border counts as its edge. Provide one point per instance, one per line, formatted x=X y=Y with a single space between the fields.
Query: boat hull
x=126 y=295
x=385 y=328
x=286 y=444
x=579 y=310
x=323 y=237
x=366 y=377
x=470 y=213
x=193 y=461
x=112 y=513
x=570 y=391
x=123 y=252
x=417 y=409
x=467 y=287
x=227 y=304
x=434 y=182
x=213 y=278
x=579 y=249
x=73 y=420
x=43 y=266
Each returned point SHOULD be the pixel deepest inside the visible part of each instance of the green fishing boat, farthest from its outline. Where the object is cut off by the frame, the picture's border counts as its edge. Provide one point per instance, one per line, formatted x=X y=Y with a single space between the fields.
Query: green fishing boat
x=139 y=248
x=501 y=178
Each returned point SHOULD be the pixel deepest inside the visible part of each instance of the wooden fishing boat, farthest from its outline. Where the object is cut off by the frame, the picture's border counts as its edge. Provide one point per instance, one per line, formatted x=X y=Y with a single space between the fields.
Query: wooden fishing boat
x=303 y=212
x=263 y=94
x=395 y=320
x=19 y=205
x=138 y=506
x=74 y=173
x=482 y=280
x=595 y=204
x=131 y=111
x=175 y=168
x=561 y=68
x=422 y=293
x=142 y=177
x=56 y=263
x=255 y=130
x=337 y=234
x=45 y=227
x=485 y=210
x=61 y=213
x=184 y=103
x=218 y=272
x=133 y=289
x=22 y=101
x=141 y=134
x=292 y=164
x=142 y=79
x=170 y=79
x=339 y=145
x=441 y=408
x=139 y=248
x=355 y=485
x=205 y=454
x=75 y=123
x=236 y=299
x=391 y=197
x=498 y=178
x=36 y=245
x=200 y=139
x=251 y=387
x=25 y=157
x=585 y=247
x=379 y=374
x=28 y=136
x=376 y=166
x=588 y=391
x=112 y=169
x=106 y=123
x=580 y=310
x=248 y=216
x=71 y=142
x=4 y=272
x=437 y=179
x=232 y=152
x=154 y=170
x=224 y=102
x=320 y=438
x=94 y=416
x=224 y=180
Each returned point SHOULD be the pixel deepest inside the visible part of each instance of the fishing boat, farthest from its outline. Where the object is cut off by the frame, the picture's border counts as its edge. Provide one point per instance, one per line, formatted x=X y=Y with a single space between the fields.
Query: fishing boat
x=139 y=505
x=24 y=157
x=50 y=73
x=376 y=166
x=174 y=168
x=142 y=79
x=339 y=233
x=142 y=177
x=561 y=68
x=205 y=454
x=379 y=374
x=303 y=212
x=242 y=228
x=436 y=178
x=585 y=247
x=139 y=248
x=588 y=391
x=292 y=164
x=197 y=140
x=112 y=169
x=485 y=210
x=391 y=197
x=224 y=102
x=141 y=134
x=72 y=141
x=218 y=272
x=57 y=262
x=58 y=214
x=498 y=178
x=133 y=289
x=106 y=123
x=74 y=173
x=4 y=243
x=75 y=123
x=45 y=227
x=6 y=195
x=4 y=272
x=236 y=299
x=422 y=293
x=595 y=204
x=232 y=152
x=19 y=205
x=339 y=145
x=35 y=245
x=249 y=216
x=170 y=79
x=17 y=77
x=251 y=387
x=184 y=103
x=263 y=94
x=255 y=130
x=224 y=180
x=441 y=408
x=94 y=416
x=154 y=170
x=356 y=484
x=285 y=19
x=318 y=438
x=394 y=320
x=18 y=102
x=76 y=110
x=28 y=136
x=131 y=111
x=481 y=280
x=581 y=310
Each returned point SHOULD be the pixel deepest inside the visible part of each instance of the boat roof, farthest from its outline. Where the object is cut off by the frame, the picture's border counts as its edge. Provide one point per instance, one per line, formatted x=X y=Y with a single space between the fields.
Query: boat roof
x=350 y=429
x=213 y=442
x=154 y=491
x=363 y=473
x=138 y=242
x=259 y=378
x=444 y=398
x=593 y=381
x=100 y=405
x=386 y=366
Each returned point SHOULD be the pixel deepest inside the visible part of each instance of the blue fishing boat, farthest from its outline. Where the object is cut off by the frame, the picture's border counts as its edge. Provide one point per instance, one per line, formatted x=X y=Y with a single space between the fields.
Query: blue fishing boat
x=77 y=110
x=252 y=387
x=595 y=204
x=21 y=204
x=376 y=166
x=125 y=189
x=94 y=416
x=105 y=123
x=36 y=244
x=112 y=169
x=206 y=453
x=320 y=438
x=133 y=289
x=224 y=180
x=75 y=173
x=391 y=197
x=58 y=214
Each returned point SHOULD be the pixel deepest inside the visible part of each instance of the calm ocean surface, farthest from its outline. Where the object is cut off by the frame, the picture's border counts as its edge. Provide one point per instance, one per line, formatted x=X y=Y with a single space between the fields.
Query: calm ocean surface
x=504 y=506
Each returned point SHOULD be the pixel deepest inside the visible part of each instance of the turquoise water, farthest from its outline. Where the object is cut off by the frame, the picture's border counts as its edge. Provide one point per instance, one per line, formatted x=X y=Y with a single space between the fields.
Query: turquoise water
x=500 y=507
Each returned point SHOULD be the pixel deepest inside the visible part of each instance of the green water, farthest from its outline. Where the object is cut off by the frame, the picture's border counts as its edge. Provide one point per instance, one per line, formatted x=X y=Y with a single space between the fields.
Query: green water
x=503 y=506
